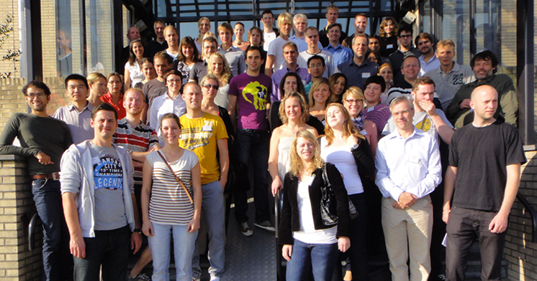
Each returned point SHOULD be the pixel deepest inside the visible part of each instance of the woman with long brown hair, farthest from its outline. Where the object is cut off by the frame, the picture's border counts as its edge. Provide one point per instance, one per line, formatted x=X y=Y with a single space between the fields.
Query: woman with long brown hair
x=349 y=151
x=388 y=36
x=133 y=67
x=188 y=56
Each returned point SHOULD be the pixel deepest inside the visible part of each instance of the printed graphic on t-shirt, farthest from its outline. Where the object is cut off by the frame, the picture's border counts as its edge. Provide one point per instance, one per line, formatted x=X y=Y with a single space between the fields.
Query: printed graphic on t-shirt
x=198 y=137
x=256 y=94
x=107 y=172
x=458 y=79
x=424 y=125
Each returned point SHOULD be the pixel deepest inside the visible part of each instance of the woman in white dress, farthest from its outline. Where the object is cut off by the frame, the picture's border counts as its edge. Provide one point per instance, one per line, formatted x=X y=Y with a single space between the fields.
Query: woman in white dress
x=294 y=113
x=133 y=70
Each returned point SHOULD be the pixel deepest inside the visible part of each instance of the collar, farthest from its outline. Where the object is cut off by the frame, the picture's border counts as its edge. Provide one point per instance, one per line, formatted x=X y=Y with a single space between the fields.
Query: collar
x=396 y=134
x=87 y=107
x=365 y=63
x=232 y=48
x=422 y=58
x=330 y=46
x=166 y=97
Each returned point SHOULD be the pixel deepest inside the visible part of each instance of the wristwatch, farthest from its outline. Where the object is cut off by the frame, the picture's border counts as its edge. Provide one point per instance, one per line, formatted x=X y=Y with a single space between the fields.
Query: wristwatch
x=137 y=230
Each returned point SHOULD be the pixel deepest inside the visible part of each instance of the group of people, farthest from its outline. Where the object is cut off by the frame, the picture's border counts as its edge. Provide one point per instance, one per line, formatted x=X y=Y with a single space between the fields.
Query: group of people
x=369 y=118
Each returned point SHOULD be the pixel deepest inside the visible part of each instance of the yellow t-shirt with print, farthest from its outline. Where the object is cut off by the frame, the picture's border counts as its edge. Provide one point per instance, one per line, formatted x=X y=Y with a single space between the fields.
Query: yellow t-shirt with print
x=200 y=135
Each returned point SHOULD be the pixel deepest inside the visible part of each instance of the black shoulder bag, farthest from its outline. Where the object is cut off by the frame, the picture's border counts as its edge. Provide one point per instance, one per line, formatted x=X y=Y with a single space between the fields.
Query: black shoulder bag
x=328 y=202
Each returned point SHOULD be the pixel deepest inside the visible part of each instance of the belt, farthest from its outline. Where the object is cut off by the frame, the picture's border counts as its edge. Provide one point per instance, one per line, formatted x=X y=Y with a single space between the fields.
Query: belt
x=53 y=176
x=256 y=131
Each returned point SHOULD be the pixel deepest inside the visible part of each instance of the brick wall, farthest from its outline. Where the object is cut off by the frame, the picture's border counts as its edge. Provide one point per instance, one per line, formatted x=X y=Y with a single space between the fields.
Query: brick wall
x=12 y=99
x=17 y=262
x=519 y=250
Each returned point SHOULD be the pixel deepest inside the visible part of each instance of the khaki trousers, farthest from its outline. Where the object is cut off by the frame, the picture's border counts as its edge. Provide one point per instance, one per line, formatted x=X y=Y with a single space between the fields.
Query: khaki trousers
x=408 y=234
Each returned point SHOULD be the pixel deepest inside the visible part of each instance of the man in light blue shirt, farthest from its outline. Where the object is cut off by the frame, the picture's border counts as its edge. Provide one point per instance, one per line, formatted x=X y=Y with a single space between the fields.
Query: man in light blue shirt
x=408 y=170
x=340 y=54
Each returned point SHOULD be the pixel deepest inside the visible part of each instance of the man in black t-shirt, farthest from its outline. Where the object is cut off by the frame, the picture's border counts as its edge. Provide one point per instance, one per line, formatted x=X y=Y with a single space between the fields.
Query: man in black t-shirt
x=480 y=186
x=43 y=140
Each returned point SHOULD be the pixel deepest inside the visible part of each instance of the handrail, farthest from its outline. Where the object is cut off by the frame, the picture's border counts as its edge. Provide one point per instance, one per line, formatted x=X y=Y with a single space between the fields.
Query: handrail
x=533 y=215
x=31 y=231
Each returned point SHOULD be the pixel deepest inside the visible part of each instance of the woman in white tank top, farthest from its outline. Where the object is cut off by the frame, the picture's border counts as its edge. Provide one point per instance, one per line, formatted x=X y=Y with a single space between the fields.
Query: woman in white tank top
x=293 y=112
x=345 y=148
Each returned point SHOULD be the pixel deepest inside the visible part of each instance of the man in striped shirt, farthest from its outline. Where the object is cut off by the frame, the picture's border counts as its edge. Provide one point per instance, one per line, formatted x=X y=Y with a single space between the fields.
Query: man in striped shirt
x=138 y=139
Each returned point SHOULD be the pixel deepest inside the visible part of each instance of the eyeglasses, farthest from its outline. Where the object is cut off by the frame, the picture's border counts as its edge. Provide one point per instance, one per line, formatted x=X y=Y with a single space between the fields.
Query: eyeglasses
x=209 y=86
x=316 y=65
x=353 y=101
x=405 y=36
x=33 y=95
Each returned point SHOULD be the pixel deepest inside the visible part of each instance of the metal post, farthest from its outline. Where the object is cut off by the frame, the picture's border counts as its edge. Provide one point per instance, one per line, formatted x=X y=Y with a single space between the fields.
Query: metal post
x=117 y=28
x=525 y=70
x=25 y=39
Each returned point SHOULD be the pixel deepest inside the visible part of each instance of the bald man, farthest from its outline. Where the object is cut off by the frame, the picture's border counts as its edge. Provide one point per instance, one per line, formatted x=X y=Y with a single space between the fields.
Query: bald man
x=481 y=183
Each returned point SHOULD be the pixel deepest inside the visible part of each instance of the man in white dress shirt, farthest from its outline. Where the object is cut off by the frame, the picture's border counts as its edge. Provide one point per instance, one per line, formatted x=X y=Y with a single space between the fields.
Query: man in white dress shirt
x=408 y=170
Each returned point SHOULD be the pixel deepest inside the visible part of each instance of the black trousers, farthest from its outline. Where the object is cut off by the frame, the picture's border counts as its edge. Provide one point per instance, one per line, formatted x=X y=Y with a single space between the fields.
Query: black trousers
x=464 y=226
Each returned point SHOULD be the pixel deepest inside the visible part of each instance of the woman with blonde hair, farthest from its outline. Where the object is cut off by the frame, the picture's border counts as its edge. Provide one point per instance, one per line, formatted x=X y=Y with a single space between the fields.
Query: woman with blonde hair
x=204 y=25
x=386 y=71
x=354 y=102
x=349 y=151
x=308 y=243
x=171 y=202
x=218 y=66
x=320 y=94
x=388 y=36
x=97 y=88
x=293 y=112
x=133 y=67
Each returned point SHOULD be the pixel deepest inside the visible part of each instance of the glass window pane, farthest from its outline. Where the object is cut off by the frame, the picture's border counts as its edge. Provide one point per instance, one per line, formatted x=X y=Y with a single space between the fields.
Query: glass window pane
x=456 y=26
x=99 y=34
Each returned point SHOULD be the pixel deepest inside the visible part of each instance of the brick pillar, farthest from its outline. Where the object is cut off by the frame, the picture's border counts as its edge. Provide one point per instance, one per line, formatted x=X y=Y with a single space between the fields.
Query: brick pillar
x=17 y=262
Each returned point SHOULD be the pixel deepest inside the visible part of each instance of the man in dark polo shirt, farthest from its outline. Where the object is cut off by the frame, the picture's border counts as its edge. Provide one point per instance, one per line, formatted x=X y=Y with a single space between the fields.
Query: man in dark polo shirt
x=43 y=140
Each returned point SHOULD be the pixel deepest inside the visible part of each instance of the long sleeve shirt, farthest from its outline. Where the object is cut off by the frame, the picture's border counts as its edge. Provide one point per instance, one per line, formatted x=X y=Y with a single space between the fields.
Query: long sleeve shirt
x=408 y=165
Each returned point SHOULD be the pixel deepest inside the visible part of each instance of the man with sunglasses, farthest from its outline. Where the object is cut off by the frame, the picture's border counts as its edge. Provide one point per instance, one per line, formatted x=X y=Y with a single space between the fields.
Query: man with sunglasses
x=404 y=35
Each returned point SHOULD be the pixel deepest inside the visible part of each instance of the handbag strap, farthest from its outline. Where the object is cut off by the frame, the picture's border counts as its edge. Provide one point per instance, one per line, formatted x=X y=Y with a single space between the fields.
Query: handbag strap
x=176 y=177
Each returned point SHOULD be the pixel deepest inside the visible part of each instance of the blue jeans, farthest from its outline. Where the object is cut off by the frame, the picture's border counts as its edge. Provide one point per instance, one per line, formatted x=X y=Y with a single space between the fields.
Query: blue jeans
x=254 y=144
x=108 y=248
x=318 y=257
x=183 y=248
x=56 y=257
x=212 y=205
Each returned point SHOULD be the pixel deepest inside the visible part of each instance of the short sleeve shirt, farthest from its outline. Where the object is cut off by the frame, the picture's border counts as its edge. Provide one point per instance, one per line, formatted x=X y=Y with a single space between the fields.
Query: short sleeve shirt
x=169 y=203
x=481 y=155
x=253 y=94
x=201 y=135
x=108 y=180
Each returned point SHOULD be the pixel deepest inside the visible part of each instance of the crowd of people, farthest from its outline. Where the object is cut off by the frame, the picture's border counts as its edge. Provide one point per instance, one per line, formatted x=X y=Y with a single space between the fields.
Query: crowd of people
x=378 y=120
